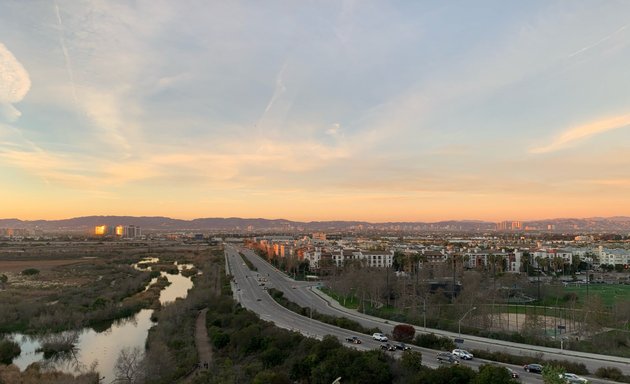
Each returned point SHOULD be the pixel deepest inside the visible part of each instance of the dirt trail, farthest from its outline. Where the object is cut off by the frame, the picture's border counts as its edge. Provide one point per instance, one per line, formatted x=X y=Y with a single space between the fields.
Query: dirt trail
x=204 y=350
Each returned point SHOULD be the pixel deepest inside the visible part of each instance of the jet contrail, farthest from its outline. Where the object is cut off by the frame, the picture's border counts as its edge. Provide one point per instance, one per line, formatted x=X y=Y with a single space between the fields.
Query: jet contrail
x=64 y=49
x=602 y=40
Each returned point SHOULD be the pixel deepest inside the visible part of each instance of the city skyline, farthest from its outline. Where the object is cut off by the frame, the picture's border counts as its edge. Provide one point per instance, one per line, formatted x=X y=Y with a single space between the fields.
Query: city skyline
x=330 y=111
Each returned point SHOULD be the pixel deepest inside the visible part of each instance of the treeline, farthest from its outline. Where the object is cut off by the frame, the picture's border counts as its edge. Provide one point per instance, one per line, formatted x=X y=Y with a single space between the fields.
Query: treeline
x=249 y=350
x=432 y=341
x=34 y=373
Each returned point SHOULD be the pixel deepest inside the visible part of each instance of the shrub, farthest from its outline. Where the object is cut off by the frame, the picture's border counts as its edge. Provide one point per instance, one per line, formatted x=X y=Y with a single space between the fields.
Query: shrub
x=404 y=332
x=8 y=350
x=493 y=374
x=59 y=344
x=220 y=339
x=552 y=374
x=568 y=366
x=30 y=272
x=611 y=373
x=433 y=341
x=412 y=361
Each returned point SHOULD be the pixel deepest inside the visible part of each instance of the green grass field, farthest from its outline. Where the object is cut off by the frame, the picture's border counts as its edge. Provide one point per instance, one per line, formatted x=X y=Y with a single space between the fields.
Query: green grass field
x=610 y=293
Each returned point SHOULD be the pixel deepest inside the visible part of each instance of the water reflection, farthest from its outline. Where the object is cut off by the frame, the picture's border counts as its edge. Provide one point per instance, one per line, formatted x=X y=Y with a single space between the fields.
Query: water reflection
x=102 y=347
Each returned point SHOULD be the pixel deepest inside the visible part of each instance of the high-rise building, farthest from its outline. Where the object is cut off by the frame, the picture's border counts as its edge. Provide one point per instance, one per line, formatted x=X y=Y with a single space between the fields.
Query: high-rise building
x=503 y=226
x=123 y=231
x=103 y=230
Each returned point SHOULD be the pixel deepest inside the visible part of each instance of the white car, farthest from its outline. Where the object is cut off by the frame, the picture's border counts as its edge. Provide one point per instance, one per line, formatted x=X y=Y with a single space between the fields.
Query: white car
x=379 y=337
x=462 y=354
x=572 y=378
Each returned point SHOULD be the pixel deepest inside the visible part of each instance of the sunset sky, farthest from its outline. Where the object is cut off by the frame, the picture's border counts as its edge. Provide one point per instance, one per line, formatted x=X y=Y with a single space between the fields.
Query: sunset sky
x=378 y=111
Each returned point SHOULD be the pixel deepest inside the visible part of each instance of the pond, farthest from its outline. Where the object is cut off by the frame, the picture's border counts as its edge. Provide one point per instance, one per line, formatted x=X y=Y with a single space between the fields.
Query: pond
x=104 y=347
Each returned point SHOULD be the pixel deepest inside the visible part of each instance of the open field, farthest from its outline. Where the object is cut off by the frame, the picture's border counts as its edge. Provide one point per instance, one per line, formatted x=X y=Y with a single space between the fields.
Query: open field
x=17 y=266
x=77 y=284
x=610 y=293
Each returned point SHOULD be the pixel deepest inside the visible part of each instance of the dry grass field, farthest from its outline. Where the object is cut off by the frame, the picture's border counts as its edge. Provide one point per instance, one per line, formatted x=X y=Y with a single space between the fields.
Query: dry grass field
x=17 y=266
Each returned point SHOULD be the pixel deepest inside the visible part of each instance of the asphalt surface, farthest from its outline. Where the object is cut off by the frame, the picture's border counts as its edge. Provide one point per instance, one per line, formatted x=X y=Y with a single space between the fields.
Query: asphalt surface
x=251 y=294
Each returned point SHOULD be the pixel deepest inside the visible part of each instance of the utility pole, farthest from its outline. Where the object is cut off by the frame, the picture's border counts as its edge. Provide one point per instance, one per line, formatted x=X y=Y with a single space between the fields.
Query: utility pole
x=424 y=312
x=387 y=276
x=453 y=293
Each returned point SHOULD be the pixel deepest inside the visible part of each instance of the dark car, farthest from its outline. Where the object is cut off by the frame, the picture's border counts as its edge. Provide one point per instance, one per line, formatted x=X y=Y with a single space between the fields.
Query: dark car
x=533 y=368
x=447 y=357
x=402 y=347
x=353 y=340
x=388 y=347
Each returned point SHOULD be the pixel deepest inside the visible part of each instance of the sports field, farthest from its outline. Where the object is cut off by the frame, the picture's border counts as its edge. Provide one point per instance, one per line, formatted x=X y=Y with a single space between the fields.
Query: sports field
x=610 y=293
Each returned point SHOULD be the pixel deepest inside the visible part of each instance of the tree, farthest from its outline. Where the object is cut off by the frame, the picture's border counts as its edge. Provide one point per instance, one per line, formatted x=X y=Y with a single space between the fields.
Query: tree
x=552 y=374
x=404 y=332
x=271 y=377
x=159 y=363
x=129 y=366
x=595 y=314
x=398 y=260
x=575 y=263
x=493 y=374
x=533 y=326
x=451 y=375
x=412 y=361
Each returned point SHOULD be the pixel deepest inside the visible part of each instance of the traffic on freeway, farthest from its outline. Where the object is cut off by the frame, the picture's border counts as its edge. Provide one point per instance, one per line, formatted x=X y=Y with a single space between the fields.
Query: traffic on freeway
x=251 y=290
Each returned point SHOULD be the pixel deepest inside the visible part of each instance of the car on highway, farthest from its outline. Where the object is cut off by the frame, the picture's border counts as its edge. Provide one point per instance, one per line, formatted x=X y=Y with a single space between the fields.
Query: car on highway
x=462 y=354
x=379 y=337
x=353 y=340
x=572 y=378
x=403 y=347
x=512 y=373
x=388 y=347
x=533 y=368
x=447 y=357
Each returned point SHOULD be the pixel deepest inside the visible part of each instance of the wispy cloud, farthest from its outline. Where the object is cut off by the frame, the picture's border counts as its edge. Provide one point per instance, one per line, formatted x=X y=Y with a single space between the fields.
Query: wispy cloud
x=573 y=135
x=105 y=110
x=14 y=84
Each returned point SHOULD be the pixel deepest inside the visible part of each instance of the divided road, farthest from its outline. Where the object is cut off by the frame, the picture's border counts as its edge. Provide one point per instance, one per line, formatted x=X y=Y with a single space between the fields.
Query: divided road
x=248 y=291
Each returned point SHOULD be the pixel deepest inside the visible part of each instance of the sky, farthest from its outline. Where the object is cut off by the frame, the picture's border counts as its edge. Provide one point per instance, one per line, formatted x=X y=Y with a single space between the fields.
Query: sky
x=315 y=110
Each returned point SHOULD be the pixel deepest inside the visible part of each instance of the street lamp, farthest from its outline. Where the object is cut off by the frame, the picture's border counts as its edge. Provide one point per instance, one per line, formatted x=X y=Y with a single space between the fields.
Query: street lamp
x=424 y=312
x=460 y=320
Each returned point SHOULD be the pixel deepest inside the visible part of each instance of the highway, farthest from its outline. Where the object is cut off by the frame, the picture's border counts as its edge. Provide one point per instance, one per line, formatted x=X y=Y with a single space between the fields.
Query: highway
x=253 y=296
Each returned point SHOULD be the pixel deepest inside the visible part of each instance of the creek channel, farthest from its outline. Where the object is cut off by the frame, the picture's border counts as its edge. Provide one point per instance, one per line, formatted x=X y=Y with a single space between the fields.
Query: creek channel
x=103 y=348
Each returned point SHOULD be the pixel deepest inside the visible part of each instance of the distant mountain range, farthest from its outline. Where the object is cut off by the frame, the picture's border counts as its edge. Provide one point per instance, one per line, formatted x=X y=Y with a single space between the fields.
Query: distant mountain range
x=87 y=223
